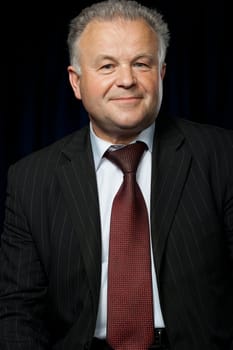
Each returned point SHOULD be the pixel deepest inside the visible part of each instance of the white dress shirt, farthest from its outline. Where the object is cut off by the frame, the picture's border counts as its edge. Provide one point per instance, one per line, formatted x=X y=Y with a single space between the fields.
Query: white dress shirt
x=109 y=179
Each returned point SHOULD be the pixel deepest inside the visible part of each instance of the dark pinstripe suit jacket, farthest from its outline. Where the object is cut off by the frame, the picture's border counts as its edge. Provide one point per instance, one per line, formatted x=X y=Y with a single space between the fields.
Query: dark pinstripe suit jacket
x=51 y=245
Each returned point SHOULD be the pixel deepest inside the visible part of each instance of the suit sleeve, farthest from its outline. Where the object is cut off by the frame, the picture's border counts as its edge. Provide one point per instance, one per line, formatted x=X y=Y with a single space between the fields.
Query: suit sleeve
x=228 y=198
x=23 y=282
x=228 y=208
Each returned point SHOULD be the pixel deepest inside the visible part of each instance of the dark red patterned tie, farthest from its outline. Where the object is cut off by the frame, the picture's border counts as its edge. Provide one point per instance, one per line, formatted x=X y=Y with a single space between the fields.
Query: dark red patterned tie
x=130 y=309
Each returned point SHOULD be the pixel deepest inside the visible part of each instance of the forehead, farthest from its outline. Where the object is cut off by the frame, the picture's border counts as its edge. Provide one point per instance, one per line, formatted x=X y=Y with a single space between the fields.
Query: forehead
x=117 y=32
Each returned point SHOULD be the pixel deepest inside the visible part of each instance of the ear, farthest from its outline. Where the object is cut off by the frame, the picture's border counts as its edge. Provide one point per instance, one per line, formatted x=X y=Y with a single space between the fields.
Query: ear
x=74 y=79
x=163 y=70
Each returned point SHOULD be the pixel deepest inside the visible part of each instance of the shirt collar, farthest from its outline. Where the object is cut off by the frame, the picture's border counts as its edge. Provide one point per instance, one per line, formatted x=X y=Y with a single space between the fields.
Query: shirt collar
x=99 y=146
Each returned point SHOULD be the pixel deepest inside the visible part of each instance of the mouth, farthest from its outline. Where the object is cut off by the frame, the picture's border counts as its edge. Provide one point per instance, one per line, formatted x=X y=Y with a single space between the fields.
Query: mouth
x=126 y=99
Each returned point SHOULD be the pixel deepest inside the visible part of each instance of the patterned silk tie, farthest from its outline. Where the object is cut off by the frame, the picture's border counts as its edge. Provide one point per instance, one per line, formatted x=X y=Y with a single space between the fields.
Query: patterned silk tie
x=130 y=309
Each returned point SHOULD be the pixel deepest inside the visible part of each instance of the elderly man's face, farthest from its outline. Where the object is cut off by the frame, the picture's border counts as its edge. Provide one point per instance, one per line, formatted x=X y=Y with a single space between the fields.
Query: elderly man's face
x=120 y=83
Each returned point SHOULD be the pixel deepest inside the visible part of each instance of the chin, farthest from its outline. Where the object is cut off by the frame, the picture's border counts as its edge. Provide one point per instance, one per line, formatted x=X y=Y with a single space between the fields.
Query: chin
x=131 y=121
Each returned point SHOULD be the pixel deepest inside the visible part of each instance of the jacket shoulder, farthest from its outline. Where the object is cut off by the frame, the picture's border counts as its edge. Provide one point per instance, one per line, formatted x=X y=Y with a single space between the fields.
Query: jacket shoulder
x=53 y=153
x=196 y=128
x=202 y=137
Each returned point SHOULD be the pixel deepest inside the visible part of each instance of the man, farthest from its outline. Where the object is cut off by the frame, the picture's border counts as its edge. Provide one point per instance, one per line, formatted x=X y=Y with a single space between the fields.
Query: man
x=54 y=253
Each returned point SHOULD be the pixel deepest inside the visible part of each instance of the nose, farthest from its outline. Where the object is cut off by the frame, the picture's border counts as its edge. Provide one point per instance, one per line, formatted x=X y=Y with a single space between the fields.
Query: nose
x=125 y=77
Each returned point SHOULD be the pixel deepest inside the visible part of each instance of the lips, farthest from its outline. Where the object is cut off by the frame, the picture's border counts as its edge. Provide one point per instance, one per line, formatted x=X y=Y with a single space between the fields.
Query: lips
x=126 y=98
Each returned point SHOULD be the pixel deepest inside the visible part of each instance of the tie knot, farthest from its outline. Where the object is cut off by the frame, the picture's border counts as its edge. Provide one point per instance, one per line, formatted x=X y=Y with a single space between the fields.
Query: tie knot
x=128 y=157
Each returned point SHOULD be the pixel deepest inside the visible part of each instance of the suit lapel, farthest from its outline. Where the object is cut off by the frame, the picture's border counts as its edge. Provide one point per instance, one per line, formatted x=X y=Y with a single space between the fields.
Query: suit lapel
x=170 y=166
x=78 y=181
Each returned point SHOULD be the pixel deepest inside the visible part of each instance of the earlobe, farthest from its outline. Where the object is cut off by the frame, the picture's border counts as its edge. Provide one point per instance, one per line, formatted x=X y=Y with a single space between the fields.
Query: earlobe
x=74 y=79
x=163 y=70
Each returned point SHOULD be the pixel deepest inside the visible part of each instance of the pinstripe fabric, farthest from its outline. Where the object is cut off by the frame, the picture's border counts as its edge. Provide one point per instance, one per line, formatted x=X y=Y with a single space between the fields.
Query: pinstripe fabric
x=50 y=264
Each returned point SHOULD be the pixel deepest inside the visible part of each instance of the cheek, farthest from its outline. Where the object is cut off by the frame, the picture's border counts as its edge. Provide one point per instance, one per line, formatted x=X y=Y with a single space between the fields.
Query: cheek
x=92 y=95
x=152 y=89
x=91 y=88
x=150 y=83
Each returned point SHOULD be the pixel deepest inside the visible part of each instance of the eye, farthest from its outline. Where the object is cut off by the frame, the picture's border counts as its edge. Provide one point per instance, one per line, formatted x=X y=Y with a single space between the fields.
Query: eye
x=142 y=65
x=107 y=68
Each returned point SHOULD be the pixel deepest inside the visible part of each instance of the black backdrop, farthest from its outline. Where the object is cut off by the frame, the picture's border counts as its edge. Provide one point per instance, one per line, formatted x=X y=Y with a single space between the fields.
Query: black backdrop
x=37 y=105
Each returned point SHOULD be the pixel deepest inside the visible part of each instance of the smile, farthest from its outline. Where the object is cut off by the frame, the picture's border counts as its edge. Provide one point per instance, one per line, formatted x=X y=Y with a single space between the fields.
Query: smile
x=127 y=99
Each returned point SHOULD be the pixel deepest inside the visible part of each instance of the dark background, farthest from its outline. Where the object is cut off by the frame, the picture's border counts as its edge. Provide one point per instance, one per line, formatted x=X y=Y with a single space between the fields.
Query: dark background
x=37 y=104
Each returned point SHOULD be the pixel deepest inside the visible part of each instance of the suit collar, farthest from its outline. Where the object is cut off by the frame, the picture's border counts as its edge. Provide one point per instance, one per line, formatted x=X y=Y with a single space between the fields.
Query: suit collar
x=77 y=142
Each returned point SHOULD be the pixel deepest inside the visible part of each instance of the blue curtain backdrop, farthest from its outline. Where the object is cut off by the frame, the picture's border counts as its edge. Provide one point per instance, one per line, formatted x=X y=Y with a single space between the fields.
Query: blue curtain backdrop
x=38 y=107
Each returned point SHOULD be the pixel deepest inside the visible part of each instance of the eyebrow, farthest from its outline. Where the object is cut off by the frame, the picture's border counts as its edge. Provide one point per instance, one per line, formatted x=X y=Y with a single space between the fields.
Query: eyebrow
x=103 y=57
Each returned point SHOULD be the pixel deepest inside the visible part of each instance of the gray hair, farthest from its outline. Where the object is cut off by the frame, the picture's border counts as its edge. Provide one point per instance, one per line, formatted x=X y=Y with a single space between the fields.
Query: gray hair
x=112 y=9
